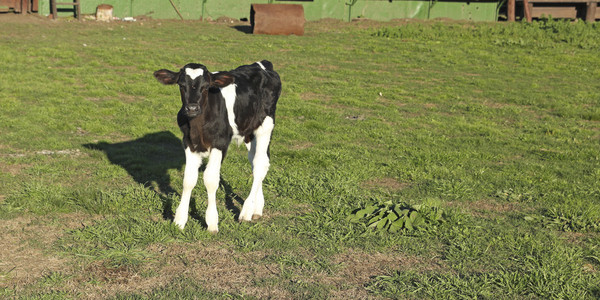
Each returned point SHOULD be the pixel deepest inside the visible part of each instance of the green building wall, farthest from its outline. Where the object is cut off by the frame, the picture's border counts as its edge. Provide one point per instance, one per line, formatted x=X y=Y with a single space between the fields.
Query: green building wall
x=382 y=10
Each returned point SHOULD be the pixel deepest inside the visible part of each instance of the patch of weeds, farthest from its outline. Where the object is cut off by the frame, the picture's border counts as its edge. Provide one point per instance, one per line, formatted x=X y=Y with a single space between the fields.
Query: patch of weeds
x=592 y=253
x=119 y=241
x=38 y=198
x=41 y=198
x=131 y=198
x=307 y=290
x=5 y=275
x=511 y=195
x=568 y=219
x=7 y=292
x=399 y=217
x=454 y=188
x=540 y=270
x=300 y=263
x=54 y=279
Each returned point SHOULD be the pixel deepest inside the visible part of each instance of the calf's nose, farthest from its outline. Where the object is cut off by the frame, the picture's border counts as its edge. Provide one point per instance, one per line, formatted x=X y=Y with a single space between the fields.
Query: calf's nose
x=192 y=109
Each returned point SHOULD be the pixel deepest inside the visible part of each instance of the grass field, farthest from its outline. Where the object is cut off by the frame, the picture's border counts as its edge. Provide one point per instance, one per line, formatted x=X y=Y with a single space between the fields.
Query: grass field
x=409 y=160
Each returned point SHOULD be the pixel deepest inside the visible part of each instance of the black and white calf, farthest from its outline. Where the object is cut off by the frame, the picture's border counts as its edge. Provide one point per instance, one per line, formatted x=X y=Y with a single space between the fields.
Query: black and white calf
x=217 y=108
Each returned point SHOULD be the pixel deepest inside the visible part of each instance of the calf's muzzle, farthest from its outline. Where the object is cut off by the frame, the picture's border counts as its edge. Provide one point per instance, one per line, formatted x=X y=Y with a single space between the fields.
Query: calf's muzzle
x=192 y=110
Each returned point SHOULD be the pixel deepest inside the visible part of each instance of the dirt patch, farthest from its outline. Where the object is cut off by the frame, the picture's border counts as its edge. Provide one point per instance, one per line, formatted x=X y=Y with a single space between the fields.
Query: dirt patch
x=9 y=17
x=494 y=207
x=358 y=268
x=100 y=281
x=24 y=257
x=314 y=96
x=487 y=208
x=13 y=169
x=327 y=67
x=28 y=256
x=302 y=146
x=28 y=261
x=387 y=183
x=219 y=268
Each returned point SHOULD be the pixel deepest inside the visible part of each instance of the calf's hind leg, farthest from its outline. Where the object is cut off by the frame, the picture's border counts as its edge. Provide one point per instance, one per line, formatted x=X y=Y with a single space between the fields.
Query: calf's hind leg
x=259 y=158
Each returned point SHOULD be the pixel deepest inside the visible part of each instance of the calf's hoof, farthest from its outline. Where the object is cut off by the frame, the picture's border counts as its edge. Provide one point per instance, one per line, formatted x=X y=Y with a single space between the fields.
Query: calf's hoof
x=256 y=217
x=244 y=219
x=180 y=223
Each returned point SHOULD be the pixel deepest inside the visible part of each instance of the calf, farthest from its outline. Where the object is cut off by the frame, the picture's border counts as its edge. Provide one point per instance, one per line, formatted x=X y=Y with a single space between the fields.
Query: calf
x=216 y=108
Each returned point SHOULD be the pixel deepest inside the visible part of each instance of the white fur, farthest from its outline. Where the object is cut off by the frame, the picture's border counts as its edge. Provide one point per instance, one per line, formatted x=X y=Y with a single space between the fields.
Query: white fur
x=261 y=65
x=193 y=161
x=254 y=204
x=194 y=73
x=229 y=94
x=211 y=181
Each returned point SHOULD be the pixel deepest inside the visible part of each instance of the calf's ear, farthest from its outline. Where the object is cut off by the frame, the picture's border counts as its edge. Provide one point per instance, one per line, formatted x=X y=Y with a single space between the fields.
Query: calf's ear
x=166 y=77
x=222 y=79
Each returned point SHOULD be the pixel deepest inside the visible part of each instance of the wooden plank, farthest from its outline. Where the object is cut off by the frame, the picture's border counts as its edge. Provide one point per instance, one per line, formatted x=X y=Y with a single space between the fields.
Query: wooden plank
x=53 y=8
x=590 y=12
x=15 y=5
x=9 y=3
x=527 y=7
x=24 y=6
x=555 y=12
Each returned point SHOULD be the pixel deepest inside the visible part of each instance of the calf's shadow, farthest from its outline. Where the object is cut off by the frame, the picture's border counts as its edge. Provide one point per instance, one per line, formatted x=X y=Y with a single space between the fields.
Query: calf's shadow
x=148 y=160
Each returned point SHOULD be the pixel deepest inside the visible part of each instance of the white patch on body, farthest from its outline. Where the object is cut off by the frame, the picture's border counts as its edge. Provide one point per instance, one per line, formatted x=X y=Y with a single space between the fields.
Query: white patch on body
x=229 y=94
x=194 y=73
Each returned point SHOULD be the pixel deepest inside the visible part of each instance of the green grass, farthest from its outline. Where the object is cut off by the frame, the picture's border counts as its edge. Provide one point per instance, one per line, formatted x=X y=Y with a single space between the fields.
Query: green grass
x=495 y=125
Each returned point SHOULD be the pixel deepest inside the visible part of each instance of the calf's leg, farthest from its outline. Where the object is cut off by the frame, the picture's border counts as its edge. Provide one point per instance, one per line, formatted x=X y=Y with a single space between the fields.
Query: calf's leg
x=193 y=161
x=211 y=181
x=259 y=158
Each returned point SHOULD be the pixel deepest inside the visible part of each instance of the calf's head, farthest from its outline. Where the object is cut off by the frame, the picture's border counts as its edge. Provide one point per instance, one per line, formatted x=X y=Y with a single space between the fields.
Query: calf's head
x=195 y=83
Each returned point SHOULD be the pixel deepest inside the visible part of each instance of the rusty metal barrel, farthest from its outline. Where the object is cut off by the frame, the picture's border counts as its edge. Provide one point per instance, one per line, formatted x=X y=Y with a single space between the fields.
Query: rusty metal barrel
x=277 y=19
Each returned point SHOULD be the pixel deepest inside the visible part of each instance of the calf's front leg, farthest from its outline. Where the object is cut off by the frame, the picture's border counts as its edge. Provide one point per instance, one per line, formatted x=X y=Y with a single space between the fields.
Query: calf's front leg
x=193 y=161
x=211 y=181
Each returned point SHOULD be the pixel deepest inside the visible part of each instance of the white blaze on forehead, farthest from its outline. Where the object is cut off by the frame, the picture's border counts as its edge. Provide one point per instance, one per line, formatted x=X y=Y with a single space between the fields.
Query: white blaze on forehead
x=261 y=65
x=194 y=73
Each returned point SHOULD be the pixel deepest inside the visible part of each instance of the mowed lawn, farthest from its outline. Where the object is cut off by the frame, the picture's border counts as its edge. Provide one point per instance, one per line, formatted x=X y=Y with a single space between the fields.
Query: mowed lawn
x=409 y=160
